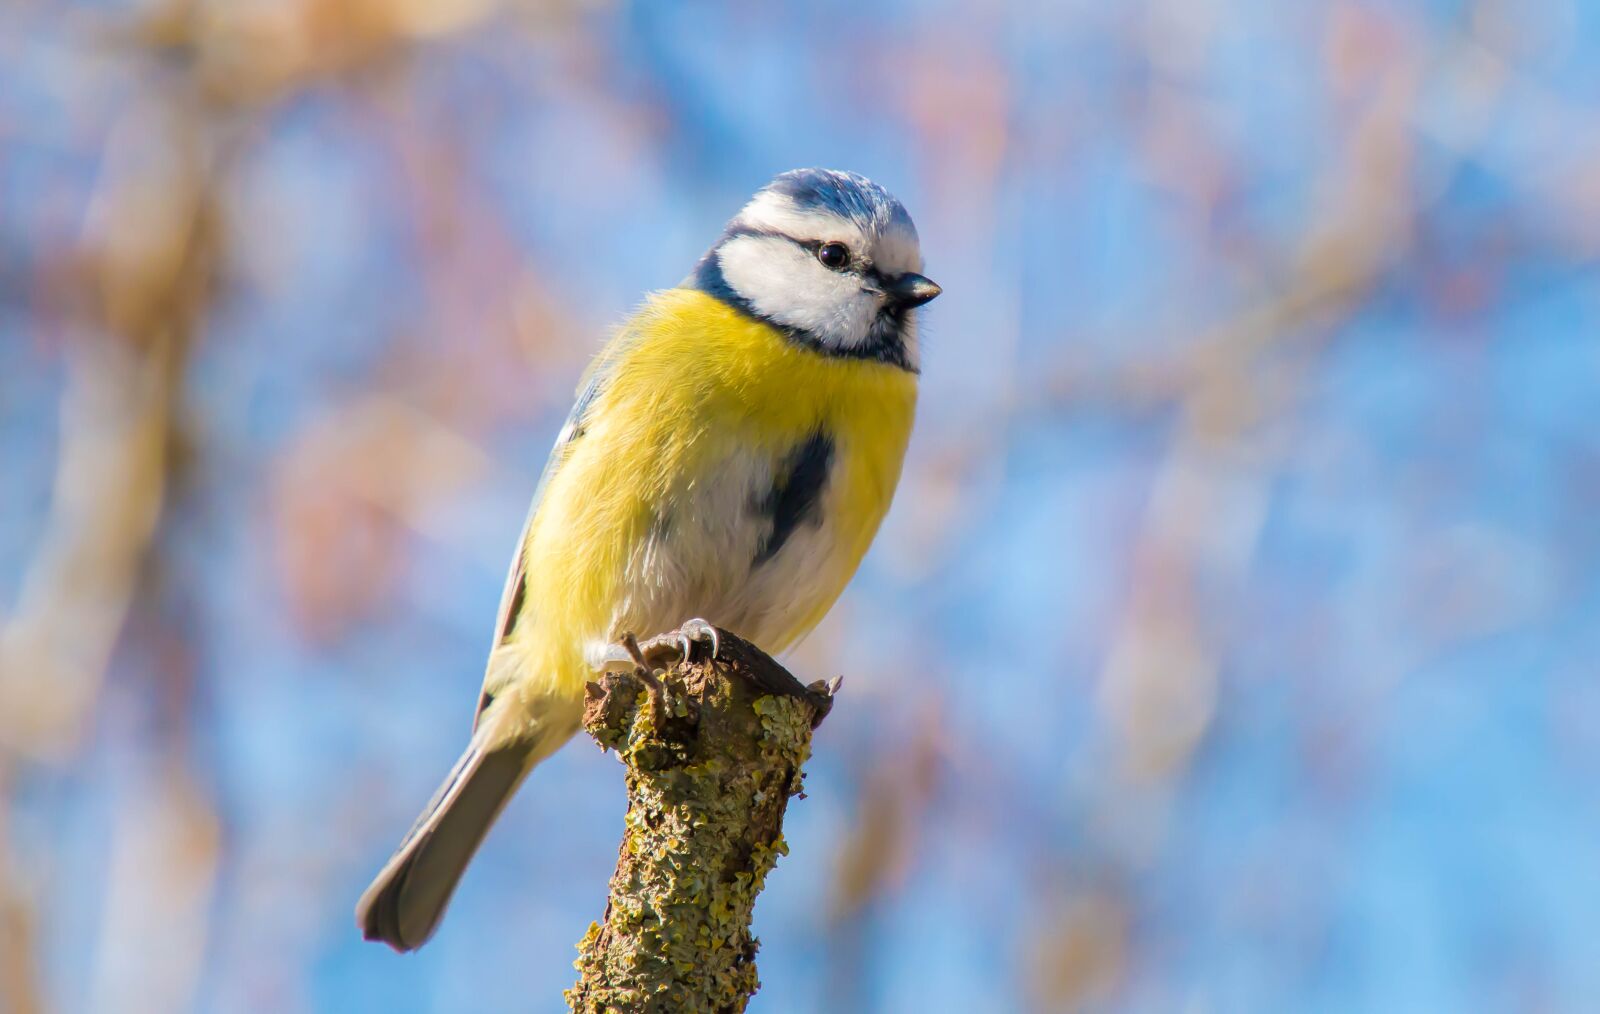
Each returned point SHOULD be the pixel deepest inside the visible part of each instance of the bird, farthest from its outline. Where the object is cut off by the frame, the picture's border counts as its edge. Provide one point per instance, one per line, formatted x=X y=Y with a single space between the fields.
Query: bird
x=731 y=453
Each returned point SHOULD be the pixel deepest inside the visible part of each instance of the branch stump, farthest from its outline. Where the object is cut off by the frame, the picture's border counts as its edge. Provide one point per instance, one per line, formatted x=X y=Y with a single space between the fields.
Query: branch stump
x=713 y=751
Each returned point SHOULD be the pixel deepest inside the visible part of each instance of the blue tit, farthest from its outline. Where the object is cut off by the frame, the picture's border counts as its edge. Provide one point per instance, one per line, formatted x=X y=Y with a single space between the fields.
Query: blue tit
x=730 y=456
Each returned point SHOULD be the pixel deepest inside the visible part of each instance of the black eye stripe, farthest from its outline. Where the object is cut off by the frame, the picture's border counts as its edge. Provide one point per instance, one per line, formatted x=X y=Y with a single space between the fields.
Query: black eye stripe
x=813 y=246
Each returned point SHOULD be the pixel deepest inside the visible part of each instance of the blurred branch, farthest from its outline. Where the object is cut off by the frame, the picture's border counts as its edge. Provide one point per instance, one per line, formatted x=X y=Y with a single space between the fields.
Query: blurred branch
x=119 y=432
x=1233 y=389
x=19 y=992
x=201 y=78
x=1078 y=957
x=133 y=298
x=713 y=752
x=111 y=479
x=132 y=301
x=1158 y=687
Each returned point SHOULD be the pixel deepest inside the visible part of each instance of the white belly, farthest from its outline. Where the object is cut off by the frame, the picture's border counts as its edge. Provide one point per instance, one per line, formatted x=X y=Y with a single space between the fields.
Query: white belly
x=700 y=560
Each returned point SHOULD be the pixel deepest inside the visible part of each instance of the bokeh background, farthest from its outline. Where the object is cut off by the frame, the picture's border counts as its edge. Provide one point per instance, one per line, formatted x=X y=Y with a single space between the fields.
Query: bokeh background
x=1233 y=643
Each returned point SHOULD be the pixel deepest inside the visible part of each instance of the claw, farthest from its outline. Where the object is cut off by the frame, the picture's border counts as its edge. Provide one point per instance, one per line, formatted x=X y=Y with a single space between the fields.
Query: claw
x=699 y=630
x=678 y=645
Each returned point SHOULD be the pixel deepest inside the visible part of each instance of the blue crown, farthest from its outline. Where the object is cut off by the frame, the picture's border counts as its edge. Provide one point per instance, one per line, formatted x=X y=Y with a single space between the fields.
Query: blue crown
x=843 y=193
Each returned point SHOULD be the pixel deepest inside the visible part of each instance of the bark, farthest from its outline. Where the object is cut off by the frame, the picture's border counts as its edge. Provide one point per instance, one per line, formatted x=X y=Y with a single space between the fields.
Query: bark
x=713 y=752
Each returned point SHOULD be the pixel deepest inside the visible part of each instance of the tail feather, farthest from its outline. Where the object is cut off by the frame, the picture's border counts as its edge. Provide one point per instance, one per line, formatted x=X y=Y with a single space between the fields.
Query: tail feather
x=407 y=899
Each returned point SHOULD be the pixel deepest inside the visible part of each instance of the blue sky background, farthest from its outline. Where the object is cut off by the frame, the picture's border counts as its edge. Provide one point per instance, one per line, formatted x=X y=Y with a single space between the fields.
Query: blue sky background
x=1233 y=643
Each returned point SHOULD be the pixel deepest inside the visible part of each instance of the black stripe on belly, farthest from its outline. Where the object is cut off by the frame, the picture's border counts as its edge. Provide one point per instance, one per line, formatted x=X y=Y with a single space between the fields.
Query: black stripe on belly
x=796 y=494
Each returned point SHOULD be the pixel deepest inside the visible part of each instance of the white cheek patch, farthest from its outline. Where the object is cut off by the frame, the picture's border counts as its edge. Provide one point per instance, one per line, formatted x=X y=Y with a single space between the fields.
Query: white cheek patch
x=783 y=282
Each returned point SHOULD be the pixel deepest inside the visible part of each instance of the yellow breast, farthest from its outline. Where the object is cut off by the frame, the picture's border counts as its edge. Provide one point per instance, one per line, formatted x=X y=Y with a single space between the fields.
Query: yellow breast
x=696 y=398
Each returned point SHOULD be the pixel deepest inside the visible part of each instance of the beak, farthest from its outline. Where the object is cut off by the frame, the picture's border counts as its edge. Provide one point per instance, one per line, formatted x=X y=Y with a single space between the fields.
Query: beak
x=911 y=289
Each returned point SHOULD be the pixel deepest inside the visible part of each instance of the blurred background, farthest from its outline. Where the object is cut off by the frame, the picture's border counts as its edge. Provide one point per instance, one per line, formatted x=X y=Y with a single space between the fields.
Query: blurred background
x=1232 y=644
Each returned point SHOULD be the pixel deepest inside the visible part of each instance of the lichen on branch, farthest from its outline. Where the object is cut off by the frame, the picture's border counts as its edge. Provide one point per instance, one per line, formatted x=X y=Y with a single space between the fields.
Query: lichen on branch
x=712 y=757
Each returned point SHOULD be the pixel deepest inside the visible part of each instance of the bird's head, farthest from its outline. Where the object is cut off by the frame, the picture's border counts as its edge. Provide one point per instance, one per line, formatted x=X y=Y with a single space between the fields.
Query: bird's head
x=831 y=259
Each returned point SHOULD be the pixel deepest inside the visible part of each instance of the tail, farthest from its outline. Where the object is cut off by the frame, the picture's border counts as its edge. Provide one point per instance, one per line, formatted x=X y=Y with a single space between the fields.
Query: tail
x=408 y=898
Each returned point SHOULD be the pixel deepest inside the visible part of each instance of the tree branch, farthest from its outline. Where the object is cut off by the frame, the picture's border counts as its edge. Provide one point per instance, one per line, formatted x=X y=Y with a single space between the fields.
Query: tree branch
x=712 y=758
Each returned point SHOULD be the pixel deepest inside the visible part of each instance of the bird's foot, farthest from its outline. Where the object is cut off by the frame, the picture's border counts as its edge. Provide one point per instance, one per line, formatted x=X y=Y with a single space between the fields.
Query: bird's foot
x=660 y=652
x=646 y=674
x=678 y=645
x=666 y=650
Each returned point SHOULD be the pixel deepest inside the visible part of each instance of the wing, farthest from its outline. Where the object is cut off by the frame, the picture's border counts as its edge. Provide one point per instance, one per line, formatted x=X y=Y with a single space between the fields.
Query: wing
x=516 y=587
x=512 y=599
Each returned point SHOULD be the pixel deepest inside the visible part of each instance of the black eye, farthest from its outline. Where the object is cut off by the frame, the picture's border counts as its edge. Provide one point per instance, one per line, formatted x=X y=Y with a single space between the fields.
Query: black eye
x=834 y=255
